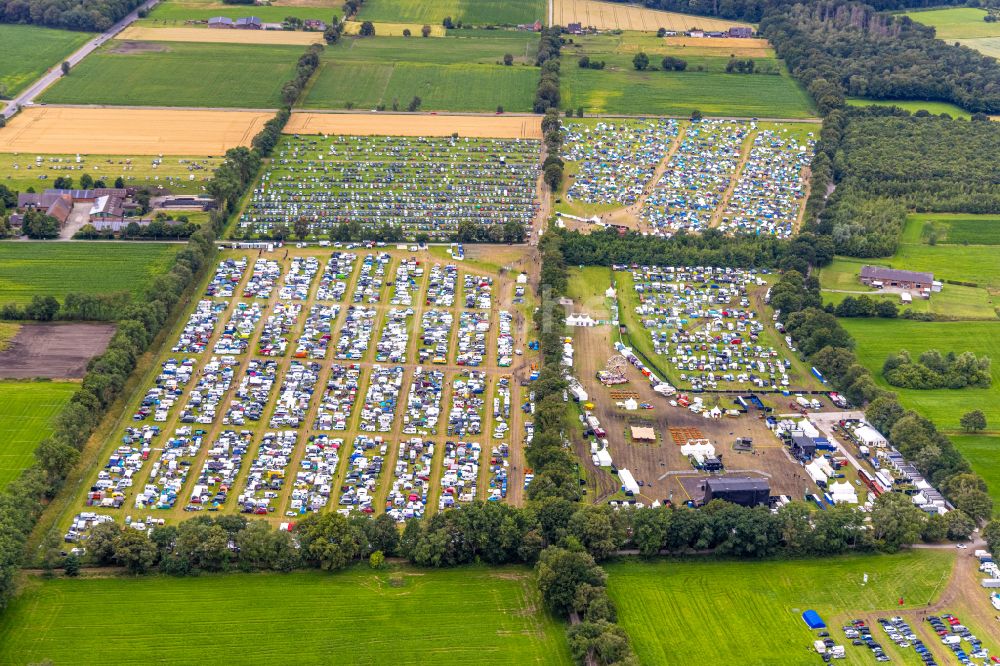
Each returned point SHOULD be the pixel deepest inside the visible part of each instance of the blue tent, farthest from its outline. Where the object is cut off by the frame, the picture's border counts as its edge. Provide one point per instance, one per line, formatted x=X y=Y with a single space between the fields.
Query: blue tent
x=813 y=619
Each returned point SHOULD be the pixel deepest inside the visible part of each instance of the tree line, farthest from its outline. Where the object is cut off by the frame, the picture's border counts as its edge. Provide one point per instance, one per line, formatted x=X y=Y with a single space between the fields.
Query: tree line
x=87 y=15
x=304 y=68
x=75 y=307
x=547 y=94
x=138 y=323
x=753 y=11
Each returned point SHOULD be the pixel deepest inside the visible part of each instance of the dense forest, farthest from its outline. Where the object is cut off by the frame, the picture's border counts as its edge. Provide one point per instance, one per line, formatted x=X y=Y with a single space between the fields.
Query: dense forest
x=867 y=54
x=884 y=162
x=89 y=15
x=754 y=10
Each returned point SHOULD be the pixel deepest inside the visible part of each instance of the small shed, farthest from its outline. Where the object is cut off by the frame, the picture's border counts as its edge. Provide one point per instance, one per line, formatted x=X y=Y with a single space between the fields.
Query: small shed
x=812 y=618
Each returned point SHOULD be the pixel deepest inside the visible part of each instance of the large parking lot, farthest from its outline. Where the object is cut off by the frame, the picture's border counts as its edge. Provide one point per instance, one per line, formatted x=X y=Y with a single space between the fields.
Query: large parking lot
x=365 y=379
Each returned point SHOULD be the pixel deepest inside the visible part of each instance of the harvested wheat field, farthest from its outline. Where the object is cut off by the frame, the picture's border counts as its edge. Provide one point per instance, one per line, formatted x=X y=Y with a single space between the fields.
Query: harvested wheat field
x=388 y=124
x=129 y=131
x=395 y=29
x=615 y=16
x=746 y=48
x=265 y=37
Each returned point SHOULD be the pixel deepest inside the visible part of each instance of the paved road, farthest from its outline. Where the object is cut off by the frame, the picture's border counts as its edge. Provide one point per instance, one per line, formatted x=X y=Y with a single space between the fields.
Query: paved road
x=51 y=76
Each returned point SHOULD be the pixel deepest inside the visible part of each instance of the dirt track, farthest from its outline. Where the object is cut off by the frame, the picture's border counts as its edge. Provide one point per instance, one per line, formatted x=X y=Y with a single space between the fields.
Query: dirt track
x=56 y=351
x=615 y=16
x=129 y=131
x=398 y=124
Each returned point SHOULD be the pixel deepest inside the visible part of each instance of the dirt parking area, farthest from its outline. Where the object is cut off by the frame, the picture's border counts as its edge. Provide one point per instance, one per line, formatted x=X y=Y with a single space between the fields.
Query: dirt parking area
x=401 y=124
x=665 y=473
x=54 y=351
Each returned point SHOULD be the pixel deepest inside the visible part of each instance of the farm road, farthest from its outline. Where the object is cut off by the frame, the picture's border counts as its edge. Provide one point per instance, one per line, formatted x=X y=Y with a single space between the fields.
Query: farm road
x=51 y=76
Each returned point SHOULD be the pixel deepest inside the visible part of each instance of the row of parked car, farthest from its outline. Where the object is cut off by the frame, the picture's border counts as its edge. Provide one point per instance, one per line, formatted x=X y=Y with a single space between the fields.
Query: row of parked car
x=221 y=467
x=317 y=332
x=226 y=278
x=406 y=285
x=364 y=469
x=336 y=274
x=963 y=643
x=395 y=336
x=472 y=329
x=267 y=472
x=265 y=275
x=317 y=471
x=199 y=327
x=379 y=409
x=168 y=390
x=299 y=278
x=204 y=398
x=236 y=334
x=411 y=478
x=295 y=394
x=368 y=288
x=253 y=393
x=460 y=475
x=423 y=402
x=337 y=402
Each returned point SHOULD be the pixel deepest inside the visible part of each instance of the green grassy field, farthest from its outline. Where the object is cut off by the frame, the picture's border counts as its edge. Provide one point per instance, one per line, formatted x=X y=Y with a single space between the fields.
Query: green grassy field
x=175 y=12
x=678 y=94
x=704 y=86
x=26 y=52
x=955 y=256
x=19 y=172
x=877 y=338
x=180 y=74
x=476 y=12
x=957 y=23
x=56 y=269
x=448 y=74
x=440 y=87
x=587 y=286
x=469 y=615
x=954 y=228
x=685 y=612
x=935 y=108
x=26 y=413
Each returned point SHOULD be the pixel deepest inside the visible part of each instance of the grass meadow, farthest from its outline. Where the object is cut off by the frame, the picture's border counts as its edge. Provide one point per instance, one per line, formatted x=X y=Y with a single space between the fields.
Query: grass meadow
x=704 y=86
x=26 y=412
x=174 y=13
x=957 y=23
x=587 y=286
x=877 y=338
x=26 y=52
x=179 y=74
x=935 y=108
x=406 y=616
x=448 y=74
x=964 y=251
x=55 y=269
x=700 y=612
x=475 y=12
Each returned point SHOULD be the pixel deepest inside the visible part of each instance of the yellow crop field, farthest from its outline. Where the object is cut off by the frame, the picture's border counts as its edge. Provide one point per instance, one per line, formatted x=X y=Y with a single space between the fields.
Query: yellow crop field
x=129 y=131
x=615 y=16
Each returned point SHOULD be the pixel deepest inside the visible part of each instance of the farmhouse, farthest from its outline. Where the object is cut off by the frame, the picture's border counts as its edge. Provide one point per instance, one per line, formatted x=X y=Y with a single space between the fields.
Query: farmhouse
x=106 y=202
x=878 y=276
x=741 y=32
x=742 y=490
x=249 y=23
x=220 y=22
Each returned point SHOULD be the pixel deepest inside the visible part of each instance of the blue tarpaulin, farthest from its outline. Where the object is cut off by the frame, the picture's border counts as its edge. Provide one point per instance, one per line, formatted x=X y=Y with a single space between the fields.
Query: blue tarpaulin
x=813 y=619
